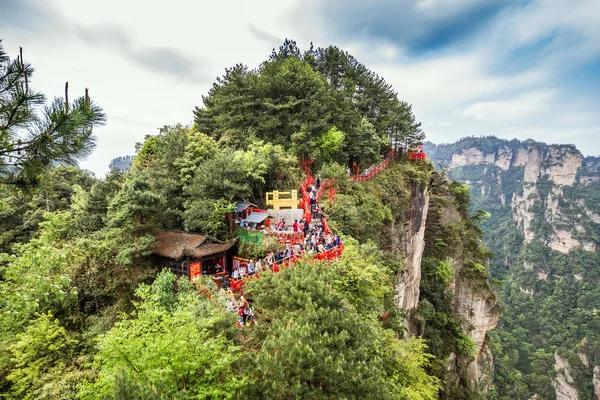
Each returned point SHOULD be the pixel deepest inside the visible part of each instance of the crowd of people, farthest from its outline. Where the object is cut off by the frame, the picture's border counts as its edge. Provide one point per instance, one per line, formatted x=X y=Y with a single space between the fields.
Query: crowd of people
x=309 y=236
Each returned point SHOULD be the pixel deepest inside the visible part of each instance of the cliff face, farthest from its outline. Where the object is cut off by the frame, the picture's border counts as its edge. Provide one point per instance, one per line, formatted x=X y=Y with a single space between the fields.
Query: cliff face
x=555 y=165
x=479 y=313
x=544 y=228
x=411 y=243
x=564 y=382
x=457 y=307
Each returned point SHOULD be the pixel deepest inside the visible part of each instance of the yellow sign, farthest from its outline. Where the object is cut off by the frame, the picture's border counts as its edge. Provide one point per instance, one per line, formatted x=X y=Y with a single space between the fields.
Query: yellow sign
x=283 y=200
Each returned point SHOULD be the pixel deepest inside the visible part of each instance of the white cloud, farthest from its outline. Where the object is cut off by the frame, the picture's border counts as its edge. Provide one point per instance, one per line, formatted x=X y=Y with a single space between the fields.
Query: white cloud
x=471 y=90
x=524 y=105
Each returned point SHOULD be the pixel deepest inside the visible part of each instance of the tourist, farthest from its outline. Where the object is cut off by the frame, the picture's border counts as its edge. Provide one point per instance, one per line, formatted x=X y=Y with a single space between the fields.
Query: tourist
x=269 y=258
x=236 y=273
x=243 y=311
x=231 y=304
x=226 y=284
x=289 y=252
x=243 y=271
x=320 y=247
x=251 y=268
x=219 y=268
x=338 y=240
x=318 y=181
x=278 y=256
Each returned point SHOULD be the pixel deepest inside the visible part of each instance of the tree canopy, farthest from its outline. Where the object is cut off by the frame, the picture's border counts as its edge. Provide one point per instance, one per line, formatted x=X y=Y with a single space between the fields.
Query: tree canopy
x=33 y=135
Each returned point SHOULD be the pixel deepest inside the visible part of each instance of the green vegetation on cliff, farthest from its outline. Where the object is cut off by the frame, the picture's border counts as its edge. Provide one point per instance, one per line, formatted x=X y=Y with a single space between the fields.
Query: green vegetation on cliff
x=543 y=230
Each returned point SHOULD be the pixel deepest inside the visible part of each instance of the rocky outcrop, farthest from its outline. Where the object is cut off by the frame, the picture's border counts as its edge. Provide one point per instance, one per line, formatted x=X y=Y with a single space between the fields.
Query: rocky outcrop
x=504 y=158
x=521 y=208
x=480 y=371
x=563 y=383
x=556 y=164
x=563 y=165
x=596 y=381
x=471 y=156
x=477 y=308
x=533 y=164
x=551 y=194
x=412 y=244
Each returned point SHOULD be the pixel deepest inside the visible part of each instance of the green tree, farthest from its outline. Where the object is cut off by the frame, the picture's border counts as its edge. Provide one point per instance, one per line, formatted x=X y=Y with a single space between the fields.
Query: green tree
x=136 y=205
x=32 y=139
x=41 y=359
x=363 y=146
x=173 y=348
x=314 y=343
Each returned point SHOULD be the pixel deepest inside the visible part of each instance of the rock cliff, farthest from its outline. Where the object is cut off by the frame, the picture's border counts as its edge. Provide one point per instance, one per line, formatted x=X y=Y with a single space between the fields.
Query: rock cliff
x=557 y=165
x=564 y=382
x=544 y=228
x=454 y=263
x=412 y=244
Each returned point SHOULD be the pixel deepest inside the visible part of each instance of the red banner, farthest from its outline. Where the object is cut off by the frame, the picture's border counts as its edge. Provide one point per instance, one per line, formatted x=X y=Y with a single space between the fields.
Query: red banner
x=195 y=269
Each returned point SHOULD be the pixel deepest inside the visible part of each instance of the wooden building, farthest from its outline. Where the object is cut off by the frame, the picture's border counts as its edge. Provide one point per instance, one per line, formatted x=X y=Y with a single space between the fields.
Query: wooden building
x=179 y=250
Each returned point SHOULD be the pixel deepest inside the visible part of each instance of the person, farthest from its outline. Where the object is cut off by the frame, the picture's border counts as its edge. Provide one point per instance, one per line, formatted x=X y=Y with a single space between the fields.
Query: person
x=243 y=270
x=278 y=256
x=338 y=240
x=279 y=226
x=231 y=304
x=269 y=259
x=251 y=269
x=219 y=267
x=320 y=247
x=318 y=181
x=243 y=308
x=226 y=284
x=295 y=226
x=236 y=273
x=258 y=266
x=288 y=251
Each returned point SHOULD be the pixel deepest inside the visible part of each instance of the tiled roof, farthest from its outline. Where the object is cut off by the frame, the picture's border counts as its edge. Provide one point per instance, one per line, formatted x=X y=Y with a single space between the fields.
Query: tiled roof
x=257 y=217
x=173 y=244
x=209 y=249
x=176 y=245
x=242 y=205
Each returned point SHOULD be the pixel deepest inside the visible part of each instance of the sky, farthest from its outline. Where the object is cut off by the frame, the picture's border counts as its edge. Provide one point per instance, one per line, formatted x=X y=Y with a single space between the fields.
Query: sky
x=510 y=68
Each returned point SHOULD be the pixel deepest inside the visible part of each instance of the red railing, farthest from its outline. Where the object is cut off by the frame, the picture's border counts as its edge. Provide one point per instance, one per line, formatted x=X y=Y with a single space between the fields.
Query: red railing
x=237 y=285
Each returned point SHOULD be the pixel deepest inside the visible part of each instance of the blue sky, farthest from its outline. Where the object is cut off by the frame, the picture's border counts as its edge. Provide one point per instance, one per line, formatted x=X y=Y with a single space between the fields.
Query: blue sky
x=511 y=68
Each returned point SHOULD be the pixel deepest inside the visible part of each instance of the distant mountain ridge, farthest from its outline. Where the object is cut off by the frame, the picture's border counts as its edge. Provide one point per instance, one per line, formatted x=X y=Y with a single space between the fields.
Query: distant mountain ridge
x=544 y=227
x=121 y=163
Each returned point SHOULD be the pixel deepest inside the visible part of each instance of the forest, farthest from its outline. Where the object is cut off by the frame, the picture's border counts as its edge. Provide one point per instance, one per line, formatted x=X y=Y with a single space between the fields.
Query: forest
x=85 y=314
